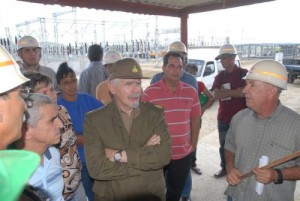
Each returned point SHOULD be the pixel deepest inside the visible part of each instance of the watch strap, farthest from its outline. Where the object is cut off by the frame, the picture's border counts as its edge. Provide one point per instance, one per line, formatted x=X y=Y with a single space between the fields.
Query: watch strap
x=279 y=179
x=119 y=152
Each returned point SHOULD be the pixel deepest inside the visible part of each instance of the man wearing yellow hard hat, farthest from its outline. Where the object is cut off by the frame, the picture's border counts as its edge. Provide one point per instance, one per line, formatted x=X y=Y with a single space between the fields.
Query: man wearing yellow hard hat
x=12 y=105
x=266 y=128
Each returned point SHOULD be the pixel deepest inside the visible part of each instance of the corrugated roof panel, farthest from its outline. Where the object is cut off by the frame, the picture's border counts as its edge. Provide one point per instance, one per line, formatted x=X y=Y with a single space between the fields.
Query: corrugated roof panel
x=178 y=4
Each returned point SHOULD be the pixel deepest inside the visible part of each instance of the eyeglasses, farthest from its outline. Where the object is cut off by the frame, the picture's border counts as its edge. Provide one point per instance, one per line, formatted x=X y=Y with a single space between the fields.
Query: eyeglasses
x=24 y=93
x=225 y=56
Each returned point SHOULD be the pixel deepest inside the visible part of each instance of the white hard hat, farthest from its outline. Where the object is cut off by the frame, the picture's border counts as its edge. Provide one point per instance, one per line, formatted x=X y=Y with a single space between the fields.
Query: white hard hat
x=269 y=71
x=226 y=49
x=27 y=41
x=10 y=75
x=111 y=56
x=177 y=47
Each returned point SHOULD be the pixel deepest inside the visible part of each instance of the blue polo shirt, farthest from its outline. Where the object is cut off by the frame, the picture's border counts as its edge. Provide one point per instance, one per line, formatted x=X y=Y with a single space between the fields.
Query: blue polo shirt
x=185 y=77
x=77 y=110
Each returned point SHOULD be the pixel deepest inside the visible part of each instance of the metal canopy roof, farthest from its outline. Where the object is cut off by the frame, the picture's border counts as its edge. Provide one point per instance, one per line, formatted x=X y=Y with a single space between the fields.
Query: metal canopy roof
x=175 y=8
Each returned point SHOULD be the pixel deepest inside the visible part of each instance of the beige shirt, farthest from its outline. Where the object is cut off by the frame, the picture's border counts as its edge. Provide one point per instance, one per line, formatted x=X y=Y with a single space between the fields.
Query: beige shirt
x=127 y=120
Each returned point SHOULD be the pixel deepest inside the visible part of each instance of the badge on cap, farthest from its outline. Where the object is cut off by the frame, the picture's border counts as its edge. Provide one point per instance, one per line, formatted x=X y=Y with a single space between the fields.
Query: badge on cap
x=159 y=106
x=134 y=69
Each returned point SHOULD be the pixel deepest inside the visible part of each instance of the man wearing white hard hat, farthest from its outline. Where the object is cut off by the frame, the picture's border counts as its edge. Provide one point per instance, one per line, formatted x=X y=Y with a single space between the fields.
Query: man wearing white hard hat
x=12 y=108
x=265 y=128
x=12 y=105
x=102 y=91
x=227 y=88
x=30 y=52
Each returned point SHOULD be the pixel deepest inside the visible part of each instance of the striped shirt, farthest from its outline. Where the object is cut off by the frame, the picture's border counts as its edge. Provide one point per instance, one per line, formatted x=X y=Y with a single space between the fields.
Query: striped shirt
x=179 y=107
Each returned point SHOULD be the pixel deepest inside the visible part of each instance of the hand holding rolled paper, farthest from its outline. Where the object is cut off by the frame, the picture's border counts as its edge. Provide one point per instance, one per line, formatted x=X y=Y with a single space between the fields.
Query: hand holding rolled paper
x=275 y=163
x=259 y=187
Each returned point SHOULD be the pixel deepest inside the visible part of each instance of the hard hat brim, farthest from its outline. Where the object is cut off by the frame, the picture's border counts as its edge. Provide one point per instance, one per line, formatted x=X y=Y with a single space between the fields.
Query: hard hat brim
x=266 y=79
x=220 y=56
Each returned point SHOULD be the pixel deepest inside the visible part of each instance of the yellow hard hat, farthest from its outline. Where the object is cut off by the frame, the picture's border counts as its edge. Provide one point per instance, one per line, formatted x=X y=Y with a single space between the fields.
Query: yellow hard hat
x=10 y=75
x=269 y=71
x=177 y=46
x=111 y=56
x=27 y=41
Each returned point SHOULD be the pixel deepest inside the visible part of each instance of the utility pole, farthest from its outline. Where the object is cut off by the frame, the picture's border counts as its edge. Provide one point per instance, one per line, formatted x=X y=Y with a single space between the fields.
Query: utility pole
x=103 y=24
x=55 y=15
x=132 y=27
x=156 y=38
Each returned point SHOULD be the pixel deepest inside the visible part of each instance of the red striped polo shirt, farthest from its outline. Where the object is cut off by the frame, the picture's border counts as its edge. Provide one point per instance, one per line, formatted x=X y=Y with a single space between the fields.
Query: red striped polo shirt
x=179 y=107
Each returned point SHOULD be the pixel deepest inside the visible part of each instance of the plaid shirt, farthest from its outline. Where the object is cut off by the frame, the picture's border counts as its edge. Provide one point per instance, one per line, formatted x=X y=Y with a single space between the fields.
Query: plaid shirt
x=249 y=138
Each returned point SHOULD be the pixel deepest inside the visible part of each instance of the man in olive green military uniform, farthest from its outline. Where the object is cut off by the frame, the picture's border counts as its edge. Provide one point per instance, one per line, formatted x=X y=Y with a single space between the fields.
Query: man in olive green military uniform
x=127 y=143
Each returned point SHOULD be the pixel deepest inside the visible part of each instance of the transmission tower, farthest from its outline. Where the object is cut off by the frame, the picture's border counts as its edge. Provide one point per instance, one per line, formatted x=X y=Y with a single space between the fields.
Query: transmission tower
x=55 y=15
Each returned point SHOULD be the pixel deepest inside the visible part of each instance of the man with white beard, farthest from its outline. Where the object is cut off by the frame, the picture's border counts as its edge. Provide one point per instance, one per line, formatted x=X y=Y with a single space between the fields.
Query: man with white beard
x=127 y=143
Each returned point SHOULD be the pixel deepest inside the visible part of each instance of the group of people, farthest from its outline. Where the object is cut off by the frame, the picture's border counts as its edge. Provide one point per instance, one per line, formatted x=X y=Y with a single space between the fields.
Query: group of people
x=105 y=138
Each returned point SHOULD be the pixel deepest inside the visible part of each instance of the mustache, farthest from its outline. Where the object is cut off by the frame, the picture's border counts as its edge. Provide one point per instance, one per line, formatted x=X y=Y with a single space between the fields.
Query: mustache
x=135 y=95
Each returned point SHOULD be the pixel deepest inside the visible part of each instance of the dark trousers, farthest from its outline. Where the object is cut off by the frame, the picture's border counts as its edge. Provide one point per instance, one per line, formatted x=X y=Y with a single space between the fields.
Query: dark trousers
x=222 y=128
x=87 y=182
x=176 y=174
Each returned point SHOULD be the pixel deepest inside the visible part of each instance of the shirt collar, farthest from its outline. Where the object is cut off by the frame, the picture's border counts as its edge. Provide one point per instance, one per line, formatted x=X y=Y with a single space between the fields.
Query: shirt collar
x=277 y=111
x=135 y=111
x=164 y=86
x=23 y=70
x=47 y=154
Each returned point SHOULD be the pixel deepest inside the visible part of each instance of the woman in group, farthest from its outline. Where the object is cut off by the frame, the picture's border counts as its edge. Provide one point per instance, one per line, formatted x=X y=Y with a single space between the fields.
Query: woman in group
x=77 y=104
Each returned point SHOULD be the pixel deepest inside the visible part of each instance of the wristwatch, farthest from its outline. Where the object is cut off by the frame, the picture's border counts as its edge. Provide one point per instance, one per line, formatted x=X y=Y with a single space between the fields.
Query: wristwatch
x=118 y=156
x=279 y=179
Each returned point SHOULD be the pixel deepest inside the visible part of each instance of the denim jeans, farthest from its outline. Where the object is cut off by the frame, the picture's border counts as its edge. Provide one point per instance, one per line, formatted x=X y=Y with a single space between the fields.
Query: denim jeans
x=79 y=194
x=229 y=198
x=187 y=187
x=87 y=182
x=223 y=129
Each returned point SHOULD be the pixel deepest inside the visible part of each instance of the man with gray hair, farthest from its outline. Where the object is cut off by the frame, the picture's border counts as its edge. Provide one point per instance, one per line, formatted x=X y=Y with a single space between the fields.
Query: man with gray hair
x=127 y=143
x=265 y=128
x=40 y=131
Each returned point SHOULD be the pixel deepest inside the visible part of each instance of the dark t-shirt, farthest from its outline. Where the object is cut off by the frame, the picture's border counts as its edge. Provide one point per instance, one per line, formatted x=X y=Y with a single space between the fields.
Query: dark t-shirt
x=228 y=108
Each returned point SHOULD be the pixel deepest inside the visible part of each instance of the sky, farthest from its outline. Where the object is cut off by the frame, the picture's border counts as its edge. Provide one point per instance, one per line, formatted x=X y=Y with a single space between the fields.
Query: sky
x=271 y=22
